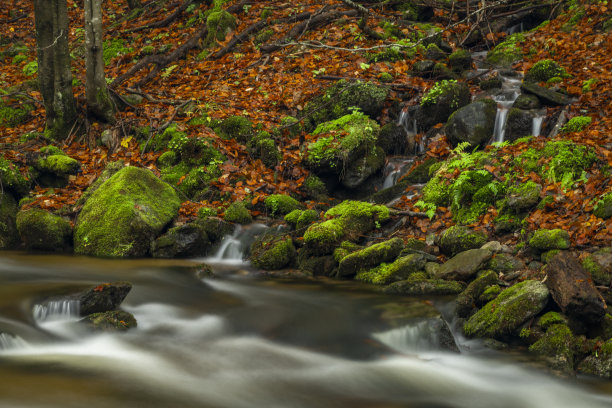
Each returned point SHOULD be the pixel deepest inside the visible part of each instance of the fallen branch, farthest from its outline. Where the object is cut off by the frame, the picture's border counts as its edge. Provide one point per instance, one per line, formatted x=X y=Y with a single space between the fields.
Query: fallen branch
x=408 y=213
x=166 y=21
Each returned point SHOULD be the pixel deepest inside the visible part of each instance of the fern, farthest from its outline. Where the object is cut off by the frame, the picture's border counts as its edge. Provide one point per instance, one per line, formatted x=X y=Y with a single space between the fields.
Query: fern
x=430 y=209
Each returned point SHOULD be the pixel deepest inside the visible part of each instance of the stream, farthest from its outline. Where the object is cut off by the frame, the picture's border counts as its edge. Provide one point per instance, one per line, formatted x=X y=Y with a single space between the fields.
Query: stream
x=237 y=341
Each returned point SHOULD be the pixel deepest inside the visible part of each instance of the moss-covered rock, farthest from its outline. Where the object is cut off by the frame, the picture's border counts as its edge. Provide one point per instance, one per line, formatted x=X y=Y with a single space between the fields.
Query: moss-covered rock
x=238 y=213
x=464 y=265
x=270 y=252
x=557 y=345
x=281 y=204
x=523 y=197
x=508 y=311
x=547 y=239
x=460 y=60
x=9 y=236
x=489 y=294
x=544 y=70
x=457 y=239
x=518 y=124
x=12 y=180
x=424 y=287
x=598 y=363
x=110 y=169
x=351 y=219
x=526 y=102
x=473 y=123
x=339 y=98
x=444 y=98
x=263 y=147
x=599 y=266
x=400 y=269
x=14 y=114
x=603 y=206
x=41 y=230
x=53 y=170
x=545 y=95
x=125 y=214
x=236 y=127
x=577 y=124
x=370 y=257
x=216 y=228
x=506 y=52
x=219 y=24
x=468 y=299
x=300 y=219
x=506 y=263
x=182 y=241
x=315 y=188
x=116 y=320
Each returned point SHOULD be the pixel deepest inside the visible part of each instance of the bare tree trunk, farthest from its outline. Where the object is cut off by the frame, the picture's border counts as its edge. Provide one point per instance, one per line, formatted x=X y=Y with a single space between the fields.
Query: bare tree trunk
x=99 y=102
x=54 y=73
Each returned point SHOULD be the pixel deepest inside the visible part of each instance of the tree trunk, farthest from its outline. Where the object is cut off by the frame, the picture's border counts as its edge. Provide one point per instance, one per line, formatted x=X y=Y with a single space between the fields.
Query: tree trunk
x=54 y=73
x=132 y=4
x=99 y=102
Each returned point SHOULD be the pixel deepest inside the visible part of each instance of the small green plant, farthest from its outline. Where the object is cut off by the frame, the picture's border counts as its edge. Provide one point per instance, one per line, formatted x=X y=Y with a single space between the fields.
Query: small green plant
x=168 y=71
x=430 y=209
x=31 y=68
x=431 y=97
x=577 y=124
x=587 y=86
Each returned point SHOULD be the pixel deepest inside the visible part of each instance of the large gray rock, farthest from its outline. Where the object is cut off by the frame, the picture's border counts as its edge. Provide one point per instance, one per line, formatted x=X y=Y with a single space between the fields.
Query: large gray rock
x=572 y=289
x=458 y=238
x=125 y=214
x=465 y=264
x=518 y=124
x=505 y=314
x=473 y=123
x=441 y=101
x=184 y=241
x=547 y=96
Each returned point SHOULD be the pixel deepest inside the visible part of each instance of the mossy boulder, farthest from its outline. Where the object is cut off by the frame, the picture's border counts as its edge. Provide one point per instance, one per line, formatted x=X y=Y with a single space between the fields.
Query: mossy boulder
x=547 y=239
x=458 y=238
x=603 y=206
x=506 y=263
x=219 y=24
x=43 y=231
x=400 y=269
x=518 y=124
x=215 y=228
x=468 y=299
x=339 y=98
x=14 y=114
x=12 y=180
x=473 y=123
x=110 y=169
x=599 y=266
x=444 y=98
x=116 y=320
x=544 y=70
x=317 y=265
x=238 y=213
x=526 y=102
x=235 y=127
x=460 y=60
x=54 y=170
x=270 y=252
x=424 y=287
x=263 y=147
x=557 y=345
x=523 y=197
x=464 y=265
x=504 y=315
x=9 y=235
x=599 y=363
x=346 y=148
x=281 y=204
x=315 y=188
x=370 y=257
x=546 y=96
x=183 y=241
x=506 y=53
x=301 y=219
x=350 y=220
x=125 y=214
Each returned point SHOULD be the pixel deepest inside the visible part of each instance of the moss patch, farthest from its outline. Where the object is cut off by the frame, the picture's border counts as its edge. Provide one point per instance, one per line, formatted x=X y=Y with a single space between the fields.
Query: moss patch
x=41 y=230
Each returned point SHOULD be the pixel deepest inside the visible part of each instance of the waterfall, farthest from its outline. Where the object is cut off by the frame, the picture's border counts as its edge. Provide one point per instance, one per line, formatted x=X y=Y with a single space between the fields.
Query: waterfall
x=410 y=127
x=422 y=336
x=8 y=341
x=395 y=168
x=504 y=102
x=57 y=310
x=234 y=247
x=536 y=125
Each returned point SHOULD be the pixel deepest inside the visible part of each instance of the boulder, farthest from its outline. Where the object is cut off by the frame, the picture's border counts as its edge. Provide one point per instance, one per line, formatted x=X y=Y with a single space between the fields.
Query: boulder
x=457 y=239
x=465 y=264
x=400 y=269
x=518 y=124
x=309 y=263
x=505 y=314
x=603 y=207
x=40 y=230
x=544 y=70
x=9 y=236
x=599 y=266
x=54 y=170
x=117 y=320
x=370 y=257
x=102 y=298
x=557 y=345
x=424 y=287
x=526 y=102
x=523 y=197
x=506 y=263
x=423 y=69
x=598 y=364
x=460 y=60
x=467 y=300
x=547 y=239
x=183 y=241
x=573 y=291
x=546 y=96
x=473 y=123
x=12 y=180
x=125 y=214
x=444 y=98
x=272 y=252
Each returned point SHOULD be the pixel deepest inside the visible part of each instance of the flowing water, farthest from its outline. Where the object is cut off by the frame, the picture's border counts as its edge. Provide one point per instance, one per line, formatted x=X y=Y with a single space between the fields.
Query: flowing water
x=235 y=341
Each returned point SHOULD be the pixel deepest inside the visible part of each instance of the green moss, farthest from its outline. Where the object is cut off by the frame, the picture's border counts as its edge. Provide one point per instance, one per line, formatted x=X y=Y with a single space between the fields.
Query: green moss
x=51 y=150
x=263 y=36
x=12 y=180
x=9 y=236
x=272 y=253
x=281 y=204
x=507 y=52
x=523 y=196
x=548 y=255
x=263 y=147
x=114 y=47
x=369 y=257
x=587 y=86
x=460 y=60
x=439 y=88
x=457 y=239
x=551 y=318
x=345 y=248
x=41 y=230
x=238 y=213
x=116 y=320
x=385 y=77
x=403 y=49
x=577 y=124
x=400 y=269
x=325 y=236
x=603 y=206
x=167 y=159
x=424 y=287
x=544 y=70
x=306 y=218
x=558 y=342
x=58 y=164
x=314 y=187
x=546 y=239
x=13 y=116
x=147 y=50
x=219 y=24
x=235 y=127
x=123 y=216
x=489 y=294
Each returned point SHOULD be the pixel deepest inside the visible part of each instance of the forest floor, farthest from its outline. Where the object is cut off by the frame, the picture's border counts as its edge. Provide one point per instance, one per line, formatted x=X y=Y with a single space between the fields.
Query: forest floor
x=267 y=86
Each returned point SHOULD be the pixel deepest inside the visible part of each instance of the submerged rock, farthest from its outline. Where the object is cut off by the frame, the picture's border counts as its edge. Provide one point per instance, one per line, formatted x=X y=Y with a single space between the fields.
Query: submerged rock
x=507 y=312
x=103 y=298
x=117 y=320
x=125 y=214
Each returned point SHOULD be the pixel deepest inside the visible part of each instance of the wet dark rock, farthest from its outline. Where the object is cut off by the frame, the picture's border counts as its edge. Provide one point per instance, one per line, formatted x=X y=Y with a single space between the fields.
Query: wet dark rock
x=441 y=101
x=103 y=298
x=467 y=300
x=392 y=139
x=9 y=236
x=184 y=241
x=473 y=123
x=573 y=291
x=518 y=124
x=424 y=287
x=116 y=320
x=526 y=102
x=547 y=96
x=464 y=265
x=493 y=83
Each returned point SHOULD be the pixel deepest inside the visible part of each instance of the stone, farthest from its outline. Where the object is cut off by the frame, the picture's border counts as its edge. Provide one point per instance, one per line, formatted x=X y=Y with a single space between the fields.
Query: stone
x=460 y=60
x=441 y=101
x=598 y=364
x=467 y=300
x=493 y=246
x=506 y=263
x=523 y=197
x=423 y=69
x=473 y=123
x=573 y=291
x=43 y=231
x=102 y=298
x=505 y=314
x=557 y=345
x=599 y=266
x=526 y=102
x=125 y=214
x=400 y=269
x=117 y=320
x=518 y=124
x=370 y=257
x=238 y=213
x=424 y=287
x=546 y=96
x=603 y=207
x=272 y=252
x=457 y=239
x=547 y=239
x=183 y=241
x=464 y=265
x=9 y=235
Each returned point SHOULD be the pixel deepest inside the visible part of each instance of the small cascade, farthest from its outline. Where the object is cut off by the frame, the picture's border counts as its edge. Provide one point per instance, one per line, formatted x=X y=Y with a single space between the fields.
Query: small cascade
x=422 y=336
x=8 y=341
x=233 y=247
x=536 y=125
x=395 y=168
x=504 y=103
x=57 y=310
x=409 y=123
x=517 y=28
